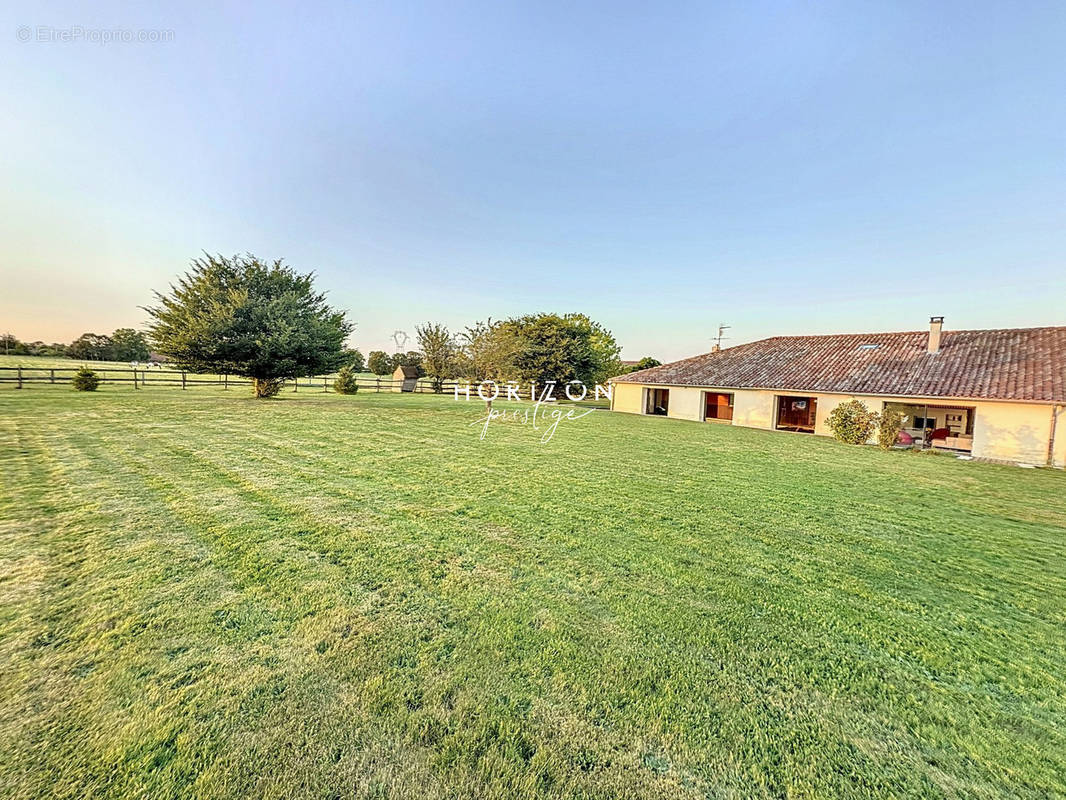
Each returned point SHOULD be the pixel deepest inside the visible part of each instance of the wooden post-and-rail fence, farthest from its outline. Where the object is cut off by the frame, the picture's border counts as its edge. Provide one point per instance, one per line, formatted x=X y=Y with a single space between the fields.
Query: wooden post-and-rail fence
x=24 y=377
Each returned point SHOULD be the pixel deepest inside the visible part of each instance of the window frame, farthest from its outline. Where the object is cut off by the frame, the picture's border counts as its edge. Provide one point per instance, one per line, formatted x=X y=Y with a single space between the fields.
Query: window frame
x=651 y=394
x=731 y=404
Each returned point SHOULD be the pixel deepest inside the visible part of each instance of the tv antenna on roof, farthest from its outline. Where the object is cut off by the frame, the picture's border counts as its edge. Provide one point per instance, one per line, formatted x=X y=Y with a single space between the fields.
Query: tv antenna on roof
x=400 y=338
x=722 y=328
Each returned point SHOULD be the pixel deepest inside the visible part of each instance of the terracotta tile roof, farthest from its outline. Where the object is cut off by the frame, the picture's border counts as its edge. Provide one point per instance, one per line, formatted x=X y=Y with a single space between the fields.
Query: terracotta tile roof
x=1007 y=364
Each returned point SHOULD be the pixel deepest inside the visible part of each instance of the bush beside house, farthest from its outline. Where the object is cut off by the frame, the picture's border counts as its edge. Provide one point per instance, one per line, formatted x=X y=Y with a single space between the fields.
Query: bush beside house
x=852 y=422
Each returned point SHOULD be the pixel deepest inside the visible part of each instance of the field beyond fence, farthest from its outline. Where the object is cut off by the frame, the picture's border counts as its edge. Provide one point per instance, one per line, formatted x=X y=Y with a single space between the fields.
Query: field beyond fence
x=25 y=377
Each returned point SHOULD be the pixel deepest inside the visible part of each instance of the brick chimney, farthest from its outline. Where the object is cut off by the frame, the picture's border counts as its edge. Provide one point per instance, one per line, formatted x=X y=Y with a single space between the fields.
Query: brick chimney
x=935 y=325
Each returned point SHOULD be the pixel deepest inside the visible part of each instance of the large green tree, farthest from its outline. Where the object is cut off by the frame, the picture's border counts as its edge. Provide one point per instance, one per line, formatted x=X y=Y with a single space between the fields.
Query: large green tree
x=541 y=348
x=354 y=359
x=606 y=352
x=246 y=317
x=438 y=353
x=551 y=349
x=129 y=345
x=379 y=363
x=91 y=347
x=487 y=351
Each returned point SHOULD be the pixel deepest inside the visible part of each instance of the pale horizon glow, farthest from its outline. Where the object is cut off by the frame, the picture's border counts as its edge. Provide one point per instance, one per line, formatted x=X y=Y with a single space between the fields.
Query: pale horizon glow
x=781 y=168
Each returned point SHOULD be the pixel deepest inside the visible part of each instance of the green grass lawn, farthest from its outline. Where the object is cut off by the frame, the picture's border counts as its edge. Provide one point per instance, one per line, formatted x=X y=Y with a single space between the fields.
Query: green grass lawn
x=204 y=595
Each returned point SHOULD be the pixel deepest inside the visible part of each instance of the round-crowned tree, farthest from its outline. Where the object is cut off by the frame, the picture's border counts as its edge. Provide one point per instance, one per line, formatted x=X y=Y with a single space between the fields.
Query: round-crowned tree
x=245 y=317
x=379 y=363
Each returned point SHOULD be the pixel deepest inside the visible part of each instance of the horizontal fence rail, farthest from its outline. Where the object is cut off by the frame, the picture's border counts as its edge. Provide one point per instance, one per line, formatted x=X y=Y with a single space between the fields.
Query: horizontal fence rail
x=26 y=377
x=144 y=378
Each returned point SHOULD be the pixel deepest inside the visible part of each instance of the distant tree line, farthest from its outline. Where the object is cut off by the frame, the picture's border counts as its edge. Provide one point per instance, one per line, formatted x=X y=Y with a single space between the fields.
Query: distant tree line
x=10 y=346
x=125 y=344
x=645 y=363
x=381 y=363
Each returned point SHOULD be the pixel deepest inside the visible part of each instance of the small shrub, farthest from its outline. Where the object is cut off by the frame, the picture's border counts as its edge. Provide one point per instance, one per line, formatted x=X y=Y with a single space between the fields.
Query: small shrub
x=852 y=422
x=346 y=382
x=85 y=380
x=888 y=430
x=267 y=387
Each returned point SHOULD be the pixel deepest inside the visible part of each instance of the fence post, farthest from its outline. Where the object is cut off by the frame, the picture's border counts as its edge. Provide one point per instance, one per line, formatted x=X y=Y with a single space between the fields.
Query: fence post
x=378 y=389
x=225 y=380
x=296 y=383
x=20 y=378
x=324 y=384
x=135 y=386
x=53 y=375
x=183 y=381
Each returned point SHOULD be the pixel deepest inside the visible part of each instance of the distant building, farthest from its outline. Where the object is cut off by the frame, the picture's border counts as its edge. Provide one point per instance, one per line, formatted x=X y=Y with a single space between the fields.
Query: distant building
x=405 y=379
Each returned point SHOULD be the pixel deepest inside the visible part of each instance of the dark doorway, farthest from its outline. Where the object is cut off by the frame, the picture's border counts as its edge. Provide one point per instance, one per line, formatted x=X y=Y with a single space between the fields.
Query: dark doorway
x=796 y=413
x=658 y=402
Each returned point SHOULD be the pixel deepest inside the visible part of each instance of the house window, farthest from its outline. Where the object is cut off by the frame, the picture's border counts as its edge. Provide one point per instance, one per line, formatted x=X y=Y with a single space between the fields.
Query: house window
x=657 y=401
x=718 y=406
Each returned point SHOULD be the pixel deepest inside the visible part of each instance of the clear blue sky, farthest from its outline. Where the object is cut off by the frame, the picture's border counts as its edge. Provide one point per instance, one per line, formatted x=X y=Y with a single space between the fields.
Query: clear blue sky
x=781 y=167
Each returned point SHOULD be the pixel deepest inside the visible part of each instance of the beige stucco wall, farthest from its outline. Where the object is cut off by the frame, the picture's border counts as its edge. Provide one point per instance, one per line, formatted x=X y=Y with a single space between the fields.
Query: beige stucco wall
x=1004 y=431
x=627 y=397
x=684 y=400
x=1012 y=431
x=753 y=408
x=685 y=403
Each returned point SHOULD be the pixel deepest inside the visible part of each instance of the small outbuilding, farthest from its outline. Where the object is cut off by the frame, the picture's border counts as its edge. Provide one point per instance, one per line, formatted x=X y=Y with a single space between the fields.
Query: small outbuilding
x=404 y=379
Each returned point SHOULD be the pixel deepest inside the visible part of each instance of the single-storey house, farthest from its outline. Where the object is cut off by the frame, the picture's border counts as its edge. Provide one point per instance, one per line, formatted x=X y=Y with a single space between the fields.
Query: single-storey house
x=996 y=394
